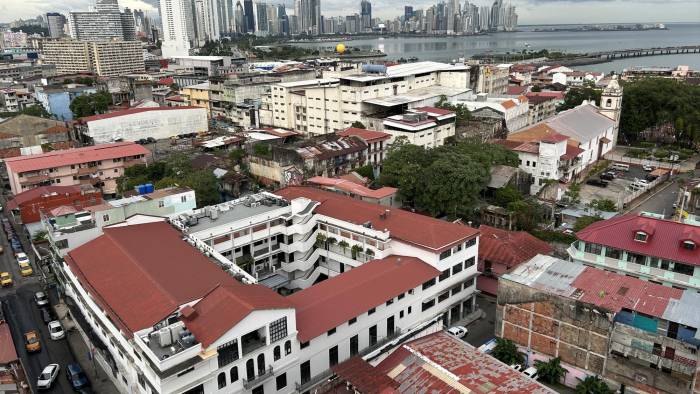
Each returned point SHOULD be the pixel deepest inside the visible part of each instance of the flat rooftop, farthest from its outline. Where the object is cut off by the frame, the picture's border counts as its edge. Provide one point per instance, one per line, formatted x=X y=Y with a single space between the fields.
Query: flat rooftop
x=416 y=95
x=307 y=83
x=229 y=212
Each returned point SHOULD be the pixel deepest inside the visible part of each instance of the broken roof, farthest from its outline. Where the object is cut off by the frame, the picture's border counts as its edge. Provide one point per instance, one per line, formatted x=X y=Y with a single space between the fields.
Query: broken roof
x=509 y=248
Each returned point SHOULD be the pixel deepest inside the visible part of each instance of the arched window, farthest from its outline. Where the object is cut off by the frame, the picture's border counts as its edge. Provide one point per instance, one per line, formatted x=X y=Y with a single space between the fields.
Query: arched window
x=250 y=369
x=222 y=380
x=608 y=103
x=234 y=374
x=288 y=348
x=277 y=353
x=261 y=363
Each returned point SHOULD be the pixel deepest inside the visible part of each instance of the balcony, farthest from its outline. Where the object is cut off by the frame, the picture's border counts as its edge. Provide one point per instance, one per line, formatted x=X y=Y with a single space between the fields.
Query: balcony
x=248 y=384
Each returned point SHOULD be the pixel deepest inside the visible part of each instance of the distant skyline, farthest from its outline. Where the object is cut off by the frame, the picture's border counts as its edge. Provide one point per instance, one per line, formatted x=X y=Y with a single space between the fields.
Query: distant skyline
x=530 y=11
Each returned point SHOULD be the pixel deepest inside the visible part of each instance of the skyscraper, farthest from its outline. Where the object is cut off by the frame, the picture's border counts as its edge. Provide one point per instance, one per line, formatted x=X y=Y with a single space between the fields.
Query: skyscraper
x=176 y=16
x=57 y=23
x=308 y=14
x=249 y=16
x=240 y=18
x=407 y=12
x=366 y=14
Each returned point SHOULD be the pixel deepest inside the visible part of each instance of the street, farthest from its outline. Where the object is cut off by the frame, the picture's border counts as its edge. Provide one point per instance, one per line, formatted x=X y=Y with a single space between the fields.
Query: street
x=483 y=329
x=662 y=202
x=23 y=315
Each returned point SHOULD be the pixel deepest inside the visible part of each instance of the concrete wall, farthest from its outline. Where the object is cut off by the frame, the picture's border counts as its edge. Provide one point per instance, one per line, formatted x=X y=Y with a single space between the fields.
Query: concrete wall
x=156 y=124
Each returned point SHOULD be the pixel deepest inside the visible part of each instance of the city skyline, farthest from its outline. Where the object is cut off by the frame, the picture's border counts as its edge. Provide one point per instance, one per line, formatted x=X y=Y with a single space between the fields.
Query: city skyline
x=530 y=11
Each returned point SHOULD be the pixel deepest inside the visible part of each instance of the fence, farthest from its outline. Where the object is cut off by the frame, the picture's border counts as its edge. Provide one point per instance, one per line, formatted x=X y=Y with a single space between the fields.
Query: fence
x=624 y=201
x=641 y=162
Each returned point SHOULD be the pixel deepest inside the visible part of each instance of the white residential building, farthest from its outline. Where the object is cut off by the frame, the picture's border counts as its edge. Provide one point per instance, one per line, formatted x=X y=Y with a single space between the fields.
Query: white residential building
x=176 y=322
x=323 y=106
x=178 y=30
x=513 y=111
x=425 y=126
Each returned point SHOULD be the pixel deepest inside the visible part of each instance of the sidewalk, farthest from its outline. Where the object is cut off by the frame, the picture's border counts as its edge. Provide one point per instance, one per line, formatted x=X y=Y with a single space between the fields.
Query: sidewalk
x=98 y=377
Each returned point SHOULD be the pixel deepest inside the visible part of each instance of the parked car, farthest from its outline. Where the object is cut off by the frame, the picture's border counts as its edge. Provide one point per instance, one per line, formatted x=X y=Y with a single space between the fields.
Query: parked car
x=56 y=330
x=48 y=377
x=488 y=346
x=516 y=367
x=46 y=315
x=31 y=341
x=458 y=331
x=608 y=176
x=76 y=377
x=41 y=299
x=531 y=372
x=25 y=269
x=647 y=168
x=22 y=258
x=5 y=279
x=597 y=182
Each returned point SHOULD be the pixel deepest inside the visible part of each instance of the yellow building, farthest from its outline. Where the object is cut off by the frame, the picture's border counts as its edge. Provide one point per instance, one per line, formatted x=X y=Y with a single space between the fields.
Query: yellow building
x=197 y=96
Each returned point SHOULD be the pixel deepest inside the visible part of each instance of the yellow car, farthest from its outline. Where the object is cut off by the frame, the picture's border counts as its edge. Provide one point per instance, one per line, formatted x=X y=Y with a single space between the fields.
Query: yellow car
x=5 y=279
x=31 y=341
x=25 y=269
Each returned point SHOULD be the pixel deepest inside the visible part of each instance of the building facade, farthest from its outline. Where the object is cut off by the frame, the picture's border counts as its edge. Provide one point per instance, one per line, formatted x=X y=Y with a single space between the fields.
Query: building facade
x=104 y=58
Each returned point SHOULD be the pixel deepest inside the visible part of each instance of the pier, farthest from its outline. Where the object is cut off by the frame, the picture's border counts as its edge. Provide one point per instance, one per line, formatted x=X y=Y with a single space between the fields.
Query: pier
x=624 y=53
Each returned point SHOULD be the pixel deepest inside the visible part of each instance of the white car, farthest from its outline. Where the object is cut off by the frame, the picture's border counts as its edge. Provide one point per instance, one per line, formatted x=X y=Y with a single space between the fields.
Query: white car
x=47 y=377
x=56 y=330
x=531 y=372
x=516 y=367
x=22 y=258
x=488 y=346
x=41 y=299
x=647 y=168
x=458 y=331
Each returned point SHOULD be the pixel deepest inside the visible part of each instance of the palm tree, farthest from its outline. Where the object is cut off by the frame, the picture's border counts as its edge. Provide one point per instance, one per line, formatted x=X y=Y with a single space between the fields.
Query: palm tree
x=320 y=240
x=344 y=245
x=355 y=250
x=369 y=252
x=593 y=385
x=550 y=371
x=331 y=241
x=507 y=352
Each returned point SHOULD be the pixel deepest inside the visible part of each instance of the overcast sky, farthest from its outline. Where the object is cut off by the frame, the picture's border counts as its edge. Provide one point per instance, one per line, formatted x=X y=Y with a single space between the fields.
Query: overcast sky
x=530 y=11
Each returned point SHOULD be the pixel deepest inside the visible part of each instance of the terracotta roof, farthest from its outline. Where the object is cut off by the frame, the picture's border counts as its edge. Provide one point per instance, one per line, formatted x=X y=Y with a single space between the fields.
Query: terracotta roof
x=277 y=132
x=420 y=365
x=571 y=152
x=74 y=156
x=63 y=210
x=509 y=248
x=226 y=305
x=539 y=132
x=367 y=135
x=528 y=147
x=177 y=98
x=434 y=111
x=557 y=95
x=515 y=90
x=352 y=187
x=37 y=192
x=364 y=377
x=139 y=274
x=132 y=111
x=665 y=238
x=8 y=353
x=508 y=104
x=554 y=137
x=330 y=303
x=420 y=230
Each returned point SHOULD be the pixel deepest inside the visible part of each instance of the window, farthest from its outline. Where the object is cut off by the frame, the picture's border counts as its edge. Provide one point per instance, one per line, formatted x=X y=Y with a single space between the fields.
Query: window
x=444 y=275
x=684 y=269
x=228 y=353
x=469 y=262
x=331 y=331
x=261 y=364
x=469 y=283
x=408 y=311
x=613 y=253
x=445 y=254
x=428 y=284
x=288 y=348
x=304 y=345
x=593 y=248
x=352 y=321
x=427 y=305
x=640 y=236
x=333 y=356
x=371 y=311
x=469 y=243
x=373 y=335
x=281 y=381
x=391 y=301
x=105 y=218
x=278 y=329
x=442 y=297
x=221 y=379
x=354 y=346
x=690 y=245
x=234 y=374
x=457 y=268
x=277 y=353
x=305 y=371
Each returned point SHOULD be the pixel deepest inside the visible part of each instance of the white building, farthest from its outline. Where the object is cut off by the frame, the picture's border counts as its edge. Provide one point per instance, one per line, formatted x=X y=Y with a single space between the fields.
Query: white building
x=175 y=322
x=576 y=78
x=512 y=110
x=323 y=106
x=425 y=126
x=178 y=30
x=139 y=123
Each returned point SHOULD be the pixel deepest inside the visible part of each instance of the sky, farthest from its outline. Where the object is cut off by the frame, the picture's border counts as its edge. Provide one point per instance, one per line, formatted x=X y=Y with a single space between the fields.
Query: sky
x=530 y=11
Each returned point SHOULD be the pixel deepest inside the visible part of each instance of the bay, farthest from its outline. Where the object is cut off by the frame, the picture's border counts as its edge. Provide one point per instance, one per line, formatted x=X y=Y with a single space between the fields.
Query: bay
x=448 y=48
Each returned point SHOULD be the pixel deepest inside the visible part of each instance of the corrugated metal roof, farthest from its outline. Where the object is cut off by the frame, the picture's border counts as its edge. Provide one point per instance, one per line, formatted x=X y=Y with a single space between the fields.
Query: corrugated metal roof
x=583 y=123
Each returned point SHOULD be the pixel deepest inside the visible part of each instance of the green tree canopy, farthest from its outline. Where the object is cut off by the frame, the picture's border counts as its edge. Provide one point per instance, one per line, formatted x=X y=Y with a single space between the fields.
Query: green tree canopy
x=90 y=104
x=585 y=221
x=576 y=96
x=550 y=371
x=36 y=110
x=593 y=385
x=506 y=351
x=462 y=114
x=358 y=125
x=605 y=205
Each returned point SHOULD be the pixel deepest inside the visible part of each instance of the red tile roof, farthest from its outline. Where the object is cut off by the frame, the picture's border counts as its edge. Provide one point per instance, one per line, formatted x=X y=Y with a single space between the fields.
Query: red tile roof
x=352 y=187
x=364 y=377
x=419 y=367
x=226 y=306
x=515 y=90
x=419 y=230
x=665 y=237
x=139 y=274
x=35 y=193
x=367 y=135
x=571 y=152
x=509 y=248
x=132 y=111
x=614 y=292
x=554 y=137
x=434 y=110
x=334 y=301
x=74 y=156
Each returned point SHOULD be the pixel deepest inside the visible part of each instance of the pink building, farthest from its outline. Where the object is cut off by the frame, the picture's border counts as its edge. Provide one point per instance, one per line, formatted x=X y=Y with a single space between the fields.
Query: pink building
x=99 y=166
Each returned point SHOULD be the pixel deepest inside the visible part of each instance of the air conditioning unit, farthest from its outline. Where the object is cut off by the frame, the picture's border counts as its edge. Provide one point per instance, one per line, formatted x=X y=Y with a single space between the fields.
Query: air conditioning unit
x=164 y=337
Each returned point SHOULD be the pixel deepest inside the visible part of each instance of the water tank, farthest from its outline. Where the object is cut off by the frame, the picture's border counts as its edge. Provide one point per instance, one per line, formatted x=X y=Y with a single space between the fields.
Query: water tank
x=374 y=68
x=149 y=188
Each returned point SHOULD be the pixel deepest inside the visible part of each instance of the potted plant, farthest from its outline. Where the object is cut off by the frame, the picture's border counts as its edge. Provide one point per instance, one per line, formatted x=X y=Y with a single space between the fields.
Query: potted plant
x=320 y=240
x=355 y=250
x=344 y=245
x=369 y=252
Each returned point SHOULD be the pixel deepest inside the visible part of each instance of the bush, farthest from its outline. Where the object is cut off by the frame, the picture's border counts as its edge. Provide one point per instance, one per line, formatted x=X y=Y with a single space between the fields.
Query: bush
x=585 y=221
x=554 y=236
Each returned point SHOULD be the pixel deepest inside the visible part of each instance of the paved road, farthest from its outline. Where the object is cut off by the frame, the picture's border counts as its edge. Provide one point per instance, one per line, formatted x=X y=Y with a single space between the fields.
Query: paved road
x=482 y=330
x=661 y=203
x=23 y=315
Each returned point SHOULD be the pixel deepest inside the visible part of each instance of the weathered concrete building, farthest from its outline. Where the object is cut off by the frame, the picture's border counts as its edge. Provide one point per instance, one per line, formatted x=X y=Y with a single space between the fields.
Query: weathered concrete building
x=636 y=334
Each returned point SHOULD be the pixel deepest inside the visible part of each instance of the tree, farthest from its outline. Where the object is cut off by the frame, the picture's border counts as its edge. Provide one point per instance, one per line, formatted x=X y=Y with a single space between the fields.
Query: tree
x=90 y=104
x=462 y=114
x=36 y=110
x=31 y=29
x=585 y=221
x=576 y=96
x=245 y=262
x=527 y=214
x=507 y=195
x=536 y=89
x=320 y=241
x=573 y=193
x=358 y=125
x=355 y=250
x=369 y=252
x=366 y=171
x=605 y=205
x=343 y=244
x=507 y=352
x=551 y=371
x=593 y=385
x=236 y=156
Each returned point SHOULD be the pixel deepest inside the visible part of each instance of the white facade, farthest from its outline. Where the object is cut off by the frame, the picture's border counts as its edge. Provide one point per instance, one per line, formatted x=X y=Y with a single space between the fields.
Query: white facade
x=514 y=111
x=280 y=362
x=176 y=17
x=154 y=123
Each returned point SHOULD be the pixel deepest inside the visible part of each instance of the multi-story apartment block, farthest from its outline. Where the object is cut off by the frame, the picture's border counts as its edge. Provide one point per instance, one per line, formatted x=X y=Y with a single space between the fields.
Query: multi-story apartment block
x=323 y=106
x=9 y=102
x=490 y=79
x=27 y=207
x=652 y=249
x=540 y=108
x=638 y=336
x=177 y=322
x=424 y=126
x=104 y=58
x=197 y=96
x=377 y=144
x=99 y=166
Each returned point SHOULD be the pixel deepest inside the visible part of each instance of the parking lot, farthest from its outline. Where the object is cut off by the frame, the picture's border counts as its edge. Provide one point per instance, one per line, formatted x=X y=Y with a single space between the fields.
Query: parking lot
x=616 y=189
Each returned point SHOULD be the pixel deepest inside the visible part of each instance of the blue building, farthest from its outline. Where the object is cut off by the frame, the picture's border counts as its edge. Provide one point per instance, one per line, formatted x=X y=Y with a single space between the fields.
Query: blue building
x=56 y=99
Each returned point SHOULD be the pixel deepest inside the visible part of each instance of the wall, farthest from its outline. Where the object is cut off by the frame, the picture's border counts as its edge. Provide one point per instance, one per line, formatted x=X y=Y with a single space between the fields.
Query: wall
x=156 y=124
